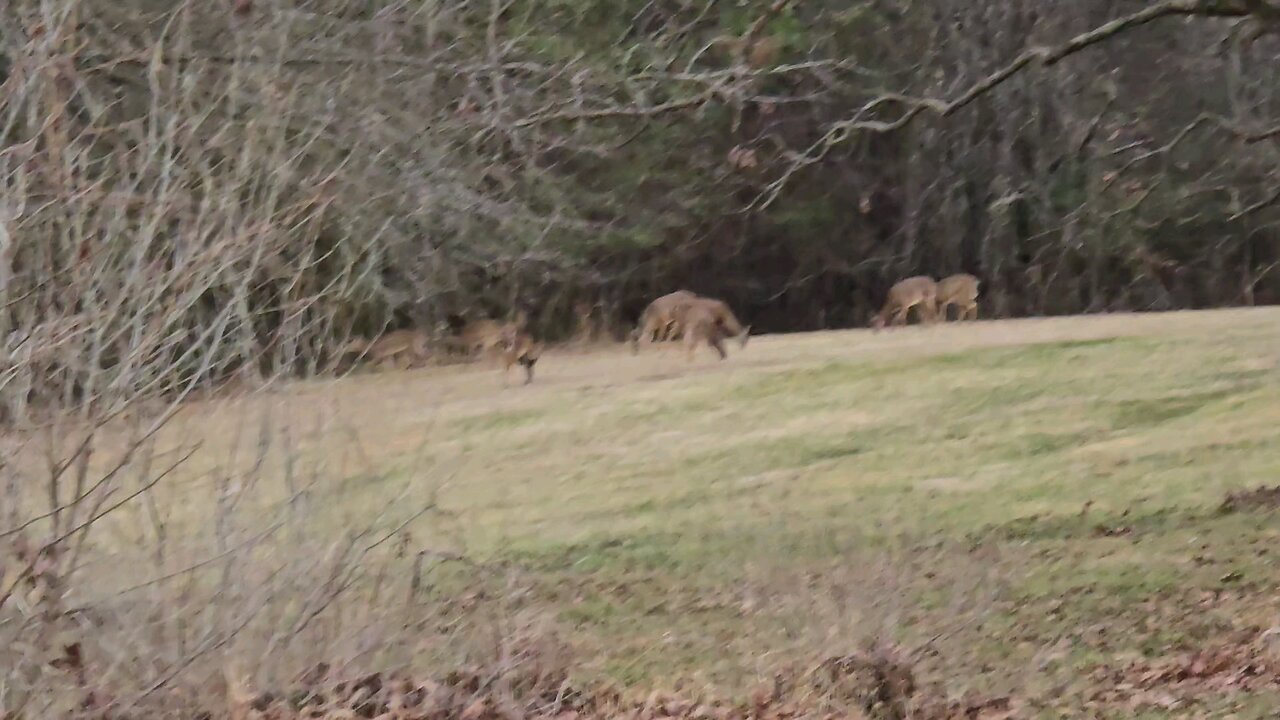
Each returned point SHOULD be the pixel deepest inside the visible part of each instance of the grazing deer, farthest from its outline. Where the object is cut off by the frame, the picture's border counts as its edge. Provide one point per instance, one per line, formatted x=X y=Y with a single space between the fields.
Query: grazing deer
x=659 y=318
x=395 y=346
x=720 y=312
x=668 y=316
x=962 y=290
x=919 y=291
x=481 y=337
x=703 y=324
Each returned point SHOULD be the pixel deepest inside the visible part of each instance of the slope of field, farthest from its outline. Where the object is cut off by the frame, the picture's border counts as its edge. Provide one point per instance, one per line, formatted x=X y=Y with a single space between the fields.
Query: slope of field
x=1033 y=505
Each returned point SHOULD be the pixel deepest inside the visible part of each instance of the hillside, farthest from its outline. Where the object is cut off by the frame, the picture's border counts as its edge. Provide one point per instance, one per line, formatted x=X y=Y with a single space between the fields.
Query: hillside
x=1040 y=501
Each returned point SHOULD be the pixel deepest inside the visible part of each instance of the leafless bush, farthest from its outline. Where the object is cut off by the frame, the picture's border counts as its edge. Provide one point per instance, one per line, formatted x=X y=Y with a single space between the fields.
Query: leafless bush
x=147 y=253
x=191 y=196
x=139 y=561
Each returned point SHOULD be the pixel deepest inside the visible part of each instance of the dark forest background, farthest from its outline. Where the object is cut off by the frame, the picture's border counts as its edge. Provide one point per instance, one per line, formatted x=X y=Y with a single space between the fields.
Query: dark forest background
x=207 y=188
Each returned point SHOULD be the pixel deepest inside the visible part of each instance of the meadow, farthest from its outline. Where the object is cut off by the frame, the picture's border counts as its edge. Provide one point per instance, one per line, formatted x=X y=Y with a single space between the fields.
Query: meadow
x=1035 y=508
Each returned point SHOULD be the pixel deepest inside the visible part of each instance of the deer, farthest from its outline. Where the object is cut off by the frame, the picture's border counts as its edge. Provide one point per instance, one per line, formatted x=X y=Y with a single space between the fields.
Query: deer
x=482 y=337
x=701 y=323
x=658 y=319
x=395 y=346
x=960 y=289
x=519 y=347
x=668 y=316
x=919 y=292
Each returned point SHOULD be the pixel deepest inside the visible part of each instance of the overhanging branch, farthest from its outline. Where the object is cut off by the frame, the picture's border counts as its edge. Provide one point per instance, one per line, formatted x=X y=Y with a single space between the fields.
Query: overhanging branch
x=840 y=131
x=1053 y=55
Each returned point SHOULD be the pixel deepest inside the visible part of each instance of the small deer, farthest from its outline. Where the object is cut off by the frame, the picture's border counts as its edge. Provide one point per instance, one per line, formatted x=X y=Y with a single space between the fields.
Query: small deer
x=919 y=291
x=519 y=348
x=481 y=338
x=960 y=289
x=397 y=346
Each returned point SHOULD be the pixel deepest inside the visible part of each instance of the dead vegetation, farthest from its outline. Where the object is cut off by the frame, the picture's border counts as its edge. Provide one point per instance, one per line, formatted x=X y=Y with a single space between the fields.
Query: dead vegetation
x=876 y=684
x=1256 y=499
x=1244 y=662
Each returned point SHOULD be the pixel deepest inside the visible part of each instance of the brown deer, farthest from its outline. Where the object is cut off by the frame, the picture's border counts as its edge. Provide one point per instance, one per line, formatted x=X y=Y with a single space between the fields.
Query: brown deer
x=702 y=323
x=919 y=291
x=481 y=337
x=519 y=347
x=396 y=346
x=719 y=310
x=960 y=289
x=668 y=316
x=658 y=319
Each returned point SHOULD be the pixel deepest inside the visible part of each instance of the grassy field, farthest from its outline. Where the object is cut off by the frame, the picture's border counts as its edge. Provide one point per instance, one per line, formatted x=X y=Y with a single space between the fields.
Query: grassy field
x=1034 y=504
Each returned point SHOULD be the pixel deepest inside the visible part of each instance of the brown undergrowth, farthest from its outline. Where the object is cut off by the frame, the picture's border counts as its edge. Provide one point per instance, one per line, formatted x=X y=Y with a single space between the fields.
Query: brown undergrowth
x=876 y=683
x=1244 y=662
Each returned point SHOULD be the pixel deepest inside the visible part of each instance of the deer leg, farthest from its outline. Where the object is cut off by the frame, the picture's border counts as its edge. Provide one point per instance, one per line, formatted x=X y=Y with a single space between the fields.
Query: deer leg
x=670 y=331
x=929 y=311
x=716 y=341
x=652 y=331
x=900 y=317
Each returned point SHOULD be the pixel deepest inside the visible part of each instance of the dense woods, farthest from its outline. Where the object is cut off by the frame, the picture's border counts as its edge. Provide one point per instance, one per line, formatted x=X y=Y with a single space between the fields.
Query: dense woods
x=232 y=186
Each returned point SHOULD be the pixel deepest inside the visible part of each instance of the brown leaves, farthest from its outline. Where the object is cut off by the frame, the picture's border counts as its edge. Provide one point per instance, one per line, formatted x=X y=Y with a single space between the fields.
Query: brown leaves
x=1242 y=663
x=998 y=708
x=881 y=681
x=34 y=575
x=1261 y=498
x=71 y=661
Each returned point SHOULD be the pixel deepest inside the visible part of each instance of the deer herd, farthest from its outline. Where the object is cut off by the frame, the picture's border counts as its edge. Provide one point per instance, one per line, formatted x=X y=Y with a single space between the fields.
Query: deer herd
x=694 y=319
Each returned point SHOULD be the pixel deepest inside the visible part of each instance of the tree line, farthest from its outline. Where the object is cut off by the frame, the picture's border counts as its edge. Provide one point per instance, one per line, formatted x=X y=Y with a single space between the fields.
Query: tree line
x=195 y=191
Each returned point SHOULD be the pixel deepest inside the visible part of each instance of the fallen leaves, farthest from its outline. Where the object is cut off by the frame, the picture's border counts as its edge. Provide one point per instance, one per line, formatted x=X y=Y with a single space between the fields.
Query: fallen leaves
x=875 y=684
x=1260 y=498
x=1242 y=663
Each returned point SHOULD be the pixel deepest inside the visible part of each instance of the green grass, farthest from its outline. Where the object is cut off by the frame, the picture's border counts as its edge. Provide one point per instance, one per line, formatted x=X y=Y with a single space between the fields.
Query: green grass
x=1005 y=489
